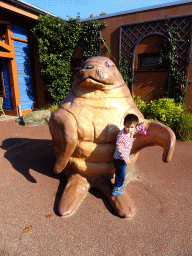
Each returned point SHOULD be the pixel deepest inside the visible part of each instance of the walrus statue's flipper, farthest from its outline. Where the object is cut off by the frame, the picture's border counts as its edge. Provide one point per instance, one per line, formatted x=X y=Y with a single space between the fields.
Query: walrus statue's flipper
x=157 y=134
x=63 y=130
x=76 y=189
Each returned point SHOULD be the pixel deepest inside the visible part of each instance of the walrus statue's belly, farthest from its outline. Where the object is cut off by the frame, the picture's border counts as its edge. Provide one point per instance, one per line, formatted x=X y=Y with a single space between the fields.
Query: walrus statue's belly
x=99 y=120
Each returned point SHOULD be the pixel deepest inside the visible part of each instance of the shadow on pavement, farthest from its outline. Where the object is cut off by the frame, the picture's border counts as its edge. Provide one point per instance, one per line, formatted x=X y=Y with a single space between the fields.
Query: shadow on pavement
x=25 y=154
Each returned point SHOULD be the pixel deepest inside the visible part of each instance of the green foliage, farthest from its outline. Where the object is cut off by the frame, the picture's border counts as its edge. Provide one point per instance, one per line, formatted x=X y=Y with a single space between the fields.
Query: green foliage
x=185 y=129
x=125 y=70
x=51 y=107
x=102 y=13
x=142 y=105
x=91 y=38
x=167 y=111
x=164 y=110
x=169 y=58
x=57 y=39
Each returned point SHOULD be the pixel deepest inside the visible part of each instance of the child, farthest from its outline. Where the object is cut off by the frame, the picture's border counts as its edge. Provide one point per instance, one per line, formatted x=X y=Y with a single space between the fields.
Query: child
x=123 y=148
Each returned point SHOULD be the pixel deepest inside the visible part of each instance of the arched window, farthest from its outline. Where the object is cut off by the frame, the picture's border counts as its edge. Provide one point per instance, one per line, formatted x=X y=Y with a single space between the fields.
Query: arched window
x=150 y=79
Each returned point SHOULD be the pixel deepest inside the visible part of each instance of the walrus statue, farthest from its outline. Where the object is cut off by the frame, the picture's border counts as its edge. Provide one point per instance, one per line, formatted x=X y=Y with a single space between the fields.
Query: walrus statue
x=84 y=130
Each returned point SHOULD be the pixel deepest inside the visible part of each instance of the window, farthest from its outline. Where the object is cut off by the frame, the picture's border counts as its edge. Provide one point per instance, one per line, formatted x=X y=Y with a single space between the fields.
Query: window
x=148 y=59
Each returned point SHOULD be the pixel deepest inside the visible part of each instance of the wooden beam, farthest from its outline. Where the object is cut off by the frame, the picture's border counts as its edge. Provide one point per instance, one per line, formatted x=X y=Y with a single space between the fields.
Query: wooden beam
x=10 y=112
x=5 y=46
x=19 y=10
x=19 y=39
x=8 y=35
x=9 y=55
x=13 y=74
x=5 y=22
x=24 y=112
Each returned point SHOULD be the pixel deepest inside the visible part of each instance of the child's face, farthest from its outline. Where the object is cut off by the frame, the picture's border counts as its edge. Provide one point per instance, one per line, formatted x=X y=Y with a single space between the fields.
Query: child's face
x=129 y=128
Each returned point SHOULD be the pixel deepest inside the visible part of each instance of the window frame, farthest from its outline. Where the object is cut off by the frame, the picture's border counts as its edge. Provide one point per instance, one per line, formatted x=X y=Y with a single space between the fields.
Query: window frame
x=152 y=54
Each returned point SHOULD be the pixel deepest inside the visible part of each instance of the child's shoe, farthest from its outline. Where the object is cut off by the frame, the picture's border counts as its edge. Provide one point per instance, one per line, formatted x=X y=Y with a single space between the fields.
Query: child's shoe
x=117 y=191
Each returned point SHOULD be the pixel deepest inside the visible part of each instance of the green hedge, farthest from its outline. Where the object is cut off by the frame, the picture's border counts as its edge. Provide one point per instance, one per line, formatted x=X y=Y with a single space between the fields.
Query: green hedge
x=185 y=131
x=167 y=111
x=57 y=39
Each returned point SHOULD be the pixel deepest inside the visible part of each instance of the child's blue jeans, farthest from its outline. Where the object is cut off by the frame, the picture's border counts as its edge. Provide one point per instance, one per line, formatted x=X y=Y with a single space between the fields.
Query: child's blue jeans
x=120 y=172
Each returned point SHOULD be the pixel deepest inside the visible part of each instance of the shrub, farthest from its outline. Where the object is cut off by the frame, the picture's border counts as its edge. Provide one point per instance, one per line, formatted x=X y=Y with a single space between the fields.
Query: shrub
x=164 y=110
x=185 y=131
x=91 y=39
x=51 y=107
x=125 y=70
x=57 y=40
x=142 y=105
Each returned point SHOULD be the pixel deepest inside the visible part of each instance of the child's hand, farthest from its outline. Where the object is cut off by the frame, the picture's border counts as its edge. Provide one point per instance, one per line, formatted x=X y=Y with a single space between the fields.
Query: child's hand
x=142 y=128
x=144 y=132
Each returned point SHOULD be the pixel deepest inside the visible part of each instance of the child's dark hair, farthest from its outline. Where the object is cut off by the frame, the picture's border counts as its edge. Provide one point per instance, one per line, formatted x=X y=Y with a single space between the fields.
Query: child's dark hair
x=131 y=118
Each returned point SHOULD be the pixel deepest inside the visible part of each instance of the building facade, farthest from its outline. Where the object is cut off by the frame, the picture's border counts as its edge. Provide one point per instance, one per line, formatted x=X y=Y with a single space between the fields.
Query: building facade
x=21 y=85
x=134 y=36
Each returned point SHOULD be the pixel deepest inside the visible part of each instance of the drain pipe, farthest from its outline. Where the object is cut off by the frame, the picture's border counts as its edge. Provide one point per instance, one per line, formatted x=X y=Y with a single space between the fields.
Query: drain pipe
x=19 y=109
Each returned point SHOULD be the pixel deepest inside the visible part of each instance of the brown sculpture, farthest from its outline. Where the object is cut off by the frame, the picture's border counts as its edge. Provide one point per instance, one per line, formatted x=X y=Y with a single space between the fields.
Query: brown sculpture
x=84 y=130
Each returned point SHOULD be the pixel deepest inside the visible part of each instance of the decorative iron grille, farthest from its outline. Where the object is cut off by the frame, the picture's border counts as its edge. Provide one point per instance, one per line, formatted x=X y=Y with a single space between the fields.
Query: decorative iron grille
x=132 y=34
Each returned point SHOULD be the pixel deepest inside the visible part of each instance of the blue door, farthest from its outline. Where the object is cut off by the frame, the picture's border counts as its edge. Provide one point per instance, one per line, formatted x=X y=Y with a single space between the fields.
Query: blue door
x=7 y=102
x=23 y=68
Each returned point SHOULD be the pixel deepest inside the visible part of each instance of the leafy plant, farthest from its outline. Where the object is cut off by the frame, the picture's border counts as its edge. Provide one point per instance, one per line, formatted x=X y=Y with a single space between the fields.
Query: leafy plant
x=185 y=129
x=125 y=70
x=142 y=105
x=91 y=39
x=167 y=111
x=57 y=39
x=169 y=58
x=51 y=107
x=164 y=110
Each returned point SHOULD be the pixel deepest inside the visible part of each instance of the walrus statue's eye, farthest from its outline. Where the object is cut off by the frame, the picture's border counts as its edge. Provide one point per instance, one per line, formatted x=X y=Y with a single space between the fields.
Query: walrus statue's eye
x=107 y=64
x=89 y=67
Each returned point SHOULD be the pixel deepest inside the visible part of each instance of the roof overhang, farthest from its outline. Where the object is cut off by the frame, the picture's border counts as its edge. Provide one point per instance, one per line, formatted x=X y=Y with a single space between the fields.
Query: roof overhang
x=24 y=9
x=174 y=3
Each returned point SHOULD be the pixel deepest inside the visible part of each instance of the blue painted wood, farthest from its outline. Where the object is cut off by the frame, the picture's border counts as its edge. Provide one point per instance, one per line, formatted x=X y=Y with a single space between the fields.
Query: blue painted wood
x=7 y=102
x=24 y=75
x=19 y=32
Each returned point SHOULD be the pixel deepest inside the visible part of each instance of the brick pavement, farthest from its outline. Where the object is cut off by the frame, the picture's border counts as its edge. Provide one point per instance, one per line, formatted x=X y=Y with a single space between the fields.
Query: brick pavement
x=162 y=224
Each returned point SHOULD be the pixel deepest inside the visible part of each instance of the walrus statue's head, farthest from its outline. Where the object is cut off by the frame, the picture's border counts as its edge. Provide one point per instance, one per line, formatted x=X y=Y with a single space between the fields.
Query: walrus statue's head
x=98 y=73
